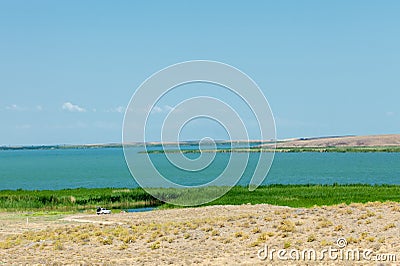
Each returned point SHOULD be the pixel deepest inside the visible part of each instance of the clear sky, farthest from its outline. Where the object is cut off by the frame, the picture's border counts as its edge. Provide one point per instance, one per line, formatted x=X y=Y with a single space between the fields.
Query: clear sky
x=69 y=68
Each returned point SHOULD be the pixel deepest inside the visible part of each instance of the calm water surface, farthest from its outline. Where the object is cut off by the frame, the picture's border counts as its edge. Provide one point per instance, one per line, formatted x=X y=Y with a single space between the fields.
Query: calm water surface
x=105 y=167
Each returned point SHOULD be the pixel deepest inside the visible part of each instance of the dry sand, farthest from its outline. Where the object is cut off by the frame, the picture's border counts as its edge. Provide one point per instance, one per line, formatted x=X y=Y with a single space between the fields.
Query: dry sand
x=216 y=235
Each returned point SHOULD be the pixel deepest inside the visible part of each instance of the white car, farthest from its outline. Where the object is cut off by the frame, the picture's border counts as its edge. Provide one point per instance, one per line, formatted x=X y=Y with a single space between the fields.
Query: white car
x=102 y=211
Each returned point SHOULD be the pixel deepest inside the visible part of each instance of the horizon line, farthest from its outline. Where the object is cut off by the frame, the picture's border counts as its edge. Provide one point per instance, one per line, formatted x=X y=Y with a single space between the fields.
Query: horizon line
x=177 y=142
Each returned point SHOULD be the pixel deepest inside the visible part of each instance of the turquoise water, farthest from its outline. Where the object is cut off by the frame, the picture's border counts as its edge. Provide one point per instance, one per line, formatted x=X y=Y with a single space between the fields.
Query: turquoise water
x=72 y=168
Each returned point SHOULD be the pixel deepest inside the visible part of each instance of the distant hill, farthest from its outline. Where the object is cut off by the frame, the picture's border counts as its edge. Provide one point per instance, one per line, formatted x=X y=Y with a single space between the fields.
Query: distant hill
x=343 y=141
x=392 y=140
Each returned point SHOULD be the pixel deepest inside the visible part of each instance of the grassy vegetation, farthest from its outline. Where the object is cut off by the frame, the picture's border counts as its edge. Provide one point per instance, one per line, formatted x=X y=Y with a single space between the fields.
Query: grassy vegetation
x=75 y=199
x=284 y=195
x=310 y=195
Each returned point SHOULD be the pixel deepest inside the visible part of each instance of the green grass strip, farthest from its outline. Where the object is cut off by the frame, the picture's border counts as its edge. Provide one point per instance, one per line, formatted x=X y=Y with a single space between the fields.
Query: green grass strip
x=75 y=199
x=310 y=195
x=116 y=198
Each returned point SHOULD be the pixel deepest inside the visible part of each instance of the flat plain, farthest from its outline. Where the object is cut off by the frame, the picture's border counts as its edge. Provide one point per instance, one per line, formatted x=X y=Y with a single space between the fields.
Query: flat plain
x=212 y=235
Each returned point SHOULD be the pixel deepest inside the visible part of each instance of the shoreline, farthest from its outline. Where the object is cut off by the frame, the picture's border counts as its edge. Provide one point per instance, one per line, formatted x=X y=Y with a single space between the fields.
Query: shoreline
x=349 y=141
x=344 y=149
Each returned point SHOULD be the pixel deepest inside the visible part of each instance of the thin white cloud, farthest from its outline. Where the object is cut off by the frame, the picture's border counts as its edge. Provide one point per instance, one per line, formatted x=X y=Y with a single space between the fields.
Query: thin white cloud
x=156 y=110
x=68 y=106
x=24 y=126
x=285 y=122
x=14 y=107
x=168 y=108
x=106 y=125
x=390 y=113
x=118 y=109
x=152 y=109
x=163 y=109
x=75 y=125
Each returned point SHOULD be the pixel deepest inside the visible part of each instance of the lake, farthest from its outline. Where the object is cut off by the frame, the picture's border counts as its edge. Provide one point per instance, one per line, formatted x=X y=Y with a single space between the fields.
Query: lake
x=106 y=167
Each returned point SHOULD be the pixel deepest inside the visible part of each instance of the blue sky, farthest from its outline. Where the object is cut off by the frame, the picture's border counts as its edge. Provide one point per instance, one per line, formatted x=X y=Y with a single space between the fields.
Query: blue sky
x=69 y=68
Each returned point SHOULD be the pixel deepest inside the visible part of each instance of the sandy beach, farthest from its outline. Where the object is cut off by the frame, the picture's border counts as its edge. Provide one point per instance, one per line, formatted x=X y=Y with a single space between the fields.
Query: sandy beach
x=215 y=235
